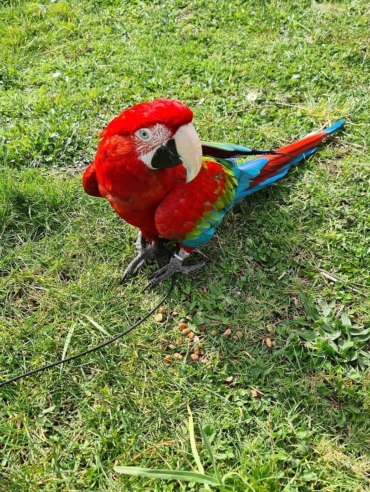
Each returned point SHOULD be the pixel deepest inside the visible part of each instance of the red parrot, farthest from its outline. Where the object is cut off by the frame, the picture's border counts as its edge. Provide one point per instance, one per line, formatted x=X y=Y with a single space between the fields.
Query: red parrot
x=158 y=176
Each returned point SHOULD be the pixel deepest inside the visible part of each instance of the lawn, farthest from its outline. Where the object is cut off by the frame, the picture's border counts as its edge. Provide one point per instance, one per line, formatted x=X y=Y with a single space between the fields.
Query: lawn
x=284 y=399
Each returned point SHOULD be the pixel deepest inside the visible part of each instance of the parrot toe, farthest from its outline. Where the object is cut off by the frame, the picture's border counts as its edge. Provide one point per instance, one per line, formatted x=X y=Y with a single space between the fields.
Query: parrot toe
x=174 y=266
x=145 y=252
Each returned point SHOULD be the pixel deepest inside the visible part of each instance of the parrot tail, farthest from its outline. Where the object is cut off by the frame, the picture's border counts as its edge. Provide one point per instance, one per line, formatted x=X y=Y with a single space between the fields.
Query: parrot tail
x=255 y=174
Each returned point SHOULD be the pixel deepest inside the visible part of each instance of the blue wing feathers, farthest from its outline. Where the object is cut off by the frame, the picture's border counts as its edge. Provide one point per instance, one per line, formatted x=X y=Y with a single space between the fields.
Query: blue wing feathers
x=209 y=146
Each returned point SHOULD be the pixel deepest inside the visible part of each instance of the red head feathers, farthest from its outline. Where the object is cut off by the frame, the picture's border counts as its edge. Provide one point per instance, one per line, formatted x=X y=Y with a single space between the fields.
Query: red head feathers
x=169 y=112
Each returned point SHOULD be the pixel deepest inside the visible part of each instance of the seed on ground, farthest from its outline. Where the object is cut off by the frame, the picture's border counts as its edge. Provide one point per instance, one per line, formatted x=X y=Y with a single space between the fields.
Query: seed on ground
x=162 y=310
x=191 y=335
x=159 y=318
x=179 y=340
x=213 y=333
x=268 y=342
x=177 y=356
x=168 y=358
x=239 y=334
x=171 y=346
x=194 y=357
x=183 y=320
x=227 y=332
x=182 y=326
x=186 y=331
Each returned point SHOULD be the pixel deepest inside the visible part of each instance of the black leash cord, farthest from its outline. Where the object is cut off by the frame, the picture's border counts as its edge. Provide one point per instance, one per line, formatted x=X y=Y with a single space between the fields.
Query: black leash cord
x=97 y=347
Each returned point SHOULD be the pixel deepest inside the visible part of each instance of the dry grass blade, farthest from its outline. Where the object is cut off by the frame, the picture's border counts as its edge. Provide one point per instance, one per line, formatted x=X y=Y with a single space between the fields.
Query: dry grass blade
x=66 y=344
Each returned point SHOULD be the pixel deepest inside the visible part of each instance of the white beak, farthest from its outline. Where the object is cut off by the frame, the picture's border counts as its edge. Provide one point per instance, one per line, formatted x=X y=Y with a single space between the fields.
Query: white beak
x=189 y=149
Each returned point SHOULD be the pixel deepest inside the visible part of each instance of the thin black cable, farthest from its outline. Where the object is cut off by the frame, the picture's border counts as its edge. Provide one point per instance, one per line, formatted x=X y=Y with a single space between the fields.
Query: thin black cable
x=97 y=347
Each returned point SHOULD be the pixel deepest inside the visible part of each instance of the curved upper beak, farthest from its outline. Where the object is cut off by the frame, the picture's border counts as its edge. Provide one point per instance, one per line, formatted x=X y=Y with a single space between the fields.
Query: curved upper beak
x=189 y=149
x=183 y=148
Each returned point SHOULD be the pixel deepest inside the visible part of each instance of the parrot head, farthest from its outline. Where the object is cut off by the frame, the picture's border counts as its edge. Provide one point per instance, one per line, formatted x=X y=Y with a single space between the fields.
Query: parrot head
x=160 y=134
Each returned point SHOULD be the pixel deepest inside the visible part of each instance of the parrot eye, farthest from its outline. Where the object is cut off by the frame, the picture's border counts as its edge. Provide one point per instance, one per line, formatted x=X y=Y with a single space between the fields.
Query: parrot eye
x=144 y=134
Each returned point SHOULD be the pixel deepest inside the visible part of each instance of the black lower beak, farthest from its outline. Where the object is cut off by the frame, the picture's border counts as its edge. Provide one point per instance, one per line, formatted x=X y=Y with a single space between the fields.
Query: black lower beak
x=166 y=156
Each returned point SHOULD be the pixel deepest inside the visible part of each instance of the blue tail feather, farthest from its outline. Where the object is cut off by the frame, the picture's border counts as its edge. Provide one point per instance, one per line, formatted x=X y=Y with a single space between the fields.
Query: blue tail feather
x=335 y=127
x=256 y=174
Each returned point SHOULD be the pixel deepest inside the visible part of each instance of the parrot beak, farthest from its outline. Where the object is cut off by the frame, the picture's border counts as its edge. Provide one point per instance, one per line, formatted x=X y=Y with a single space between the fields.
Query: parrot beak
x=189 y=149
x=183 y=148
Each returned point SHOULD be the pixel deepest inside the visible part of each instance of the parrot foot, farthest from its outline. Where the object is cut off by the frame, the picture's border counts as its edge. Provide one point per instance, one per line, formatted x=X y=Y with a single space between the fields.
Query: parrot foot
x=174 y=266
x=145 y=252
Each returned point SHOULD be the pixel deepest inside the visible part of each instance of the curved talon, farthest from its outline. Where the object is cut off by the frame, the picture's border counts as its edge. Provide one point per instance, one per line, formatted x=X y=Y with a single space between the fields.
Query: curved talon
x=174 y=266
x=134 y=266
x=145 y=252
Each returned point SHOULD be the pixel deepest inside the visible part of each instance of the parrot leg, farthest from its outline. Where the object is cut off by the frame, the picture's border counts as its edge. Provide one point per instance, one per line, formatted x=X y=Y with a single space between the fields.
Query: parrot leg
x=145 y=252
x=174 y=266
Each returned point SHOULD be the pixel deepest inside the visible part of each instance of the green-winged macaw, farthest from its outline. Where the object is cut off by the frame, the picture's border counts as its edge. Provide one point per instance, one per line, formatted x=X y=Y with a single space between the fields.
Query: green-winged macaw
x=158 y=176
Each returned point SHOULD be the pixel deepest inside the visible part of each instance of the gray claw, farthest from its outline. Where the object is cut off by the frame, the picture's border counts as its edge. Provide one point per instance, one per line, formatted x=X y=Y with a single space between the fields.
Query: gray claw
x=145 y=252
x=174 y=266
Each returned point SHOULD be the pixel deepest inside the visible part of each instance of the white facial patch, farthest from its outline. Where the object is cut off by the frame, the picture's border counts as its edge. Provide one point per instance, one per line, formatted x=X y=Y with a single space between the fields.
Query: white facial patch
x=146 y=150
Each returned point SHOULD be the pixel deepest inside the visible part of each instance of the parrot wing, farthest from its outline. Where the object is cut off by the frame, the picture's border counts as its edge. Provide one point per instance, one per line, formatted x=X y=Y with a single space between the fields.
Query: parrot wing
x=224 y=150
x=190 y=214
x=229 y=151
x=90 y=181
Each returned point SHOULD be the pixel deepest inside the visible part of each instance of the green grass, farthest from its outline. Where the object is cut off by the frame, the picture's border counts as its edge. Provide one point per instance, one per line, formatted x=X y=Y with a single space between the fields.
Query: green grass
x=66 y=68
